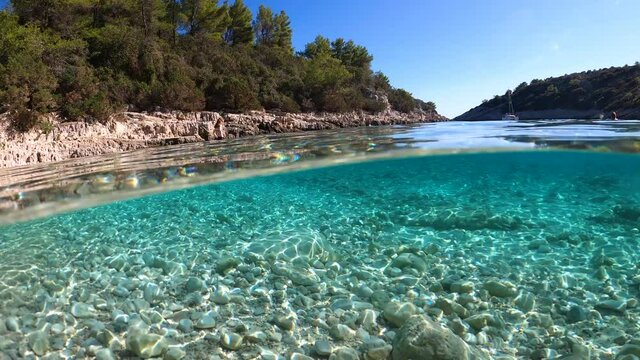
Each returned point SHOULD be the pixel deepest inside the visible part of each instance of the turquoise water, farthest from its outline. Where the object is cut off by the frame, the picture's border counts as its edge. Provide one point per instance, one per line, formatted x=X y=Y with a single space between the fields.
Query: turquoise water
x=494 y=240
x=519 y=254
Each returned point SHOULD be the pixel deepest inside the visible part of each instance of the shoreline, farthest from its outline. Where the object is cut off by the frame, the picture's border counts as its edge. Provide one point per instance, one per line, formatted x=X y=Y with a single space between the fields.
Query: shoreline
x=495 y=113
x=129 y=131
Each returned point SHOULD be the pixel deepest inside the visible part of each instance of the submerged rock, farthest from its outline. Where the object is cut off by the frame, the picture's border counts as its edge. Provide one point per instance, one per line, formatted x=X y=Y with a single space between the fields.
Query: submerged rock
x=576 y=313
x=231 y=341
x=322 y=348
x=479 y=321
x=341 y=332
x=421 y=338
x=462 y=287
x=82 y=310
x=397 y=313
x=500 y=288
x=227 y=263
x=174 y=353
x=285 y=322
x=345 y=353
x=105 y=354
x=377 y=349
x=409 y=260
x=525 y=301
x=151 y=293
x=206 y=322
x=146 y=345
x=39 y=343
x=12 y=323
x=221 y=295
x=617 y=307
x=629 y=351
x=194 y=285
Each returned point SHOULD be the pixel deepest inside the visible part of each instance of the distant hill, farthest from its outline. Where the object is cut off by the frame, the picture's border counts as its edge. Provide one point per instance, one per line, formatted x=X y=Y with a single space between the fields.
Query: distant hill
x=588 y=94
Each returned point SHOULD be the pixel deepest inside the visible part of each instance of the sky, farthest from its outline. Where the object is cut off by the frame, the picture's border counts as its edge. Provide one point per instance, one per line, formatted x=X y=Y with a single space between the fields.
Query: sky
x=459 y=52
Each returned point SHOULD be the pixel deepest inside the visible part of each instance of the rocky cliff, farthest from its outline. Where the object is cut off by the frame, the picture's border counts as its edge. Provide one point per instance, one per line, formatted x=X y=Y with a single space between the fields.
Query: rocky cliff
x=130 y=131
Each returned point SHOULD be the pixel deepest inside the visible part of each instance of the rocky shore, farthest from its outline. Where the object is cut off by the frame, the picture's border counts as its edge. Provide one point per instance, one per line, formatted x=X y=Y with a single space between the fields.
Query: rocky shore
x=129 y=131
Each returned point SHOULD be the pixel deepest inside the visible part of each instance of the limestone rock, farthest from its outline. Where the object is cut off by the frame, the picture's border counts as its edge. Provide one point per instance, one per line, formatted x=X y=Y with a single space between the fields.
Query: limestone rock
x=39 y=342
x=345 y=353
x=397 y=313
x=377 y=349
x=82 y=310
x=206 y=322
x=130 y=131
x=322 y=348
x=526 y=301
x=231 y=341
x=174 y=353
x=617 y=307
x=409 y=260
x=500 y=288
x=194 y=285
x=146 y=345
x=341 y=332
x=421 y=338
x=105 y=354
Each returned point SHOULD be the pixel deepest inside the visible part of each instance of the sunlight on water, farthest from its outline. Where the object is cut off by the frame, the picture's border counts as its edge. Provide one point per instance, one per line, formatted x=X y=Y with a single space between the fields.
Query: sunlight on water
x=513 y=254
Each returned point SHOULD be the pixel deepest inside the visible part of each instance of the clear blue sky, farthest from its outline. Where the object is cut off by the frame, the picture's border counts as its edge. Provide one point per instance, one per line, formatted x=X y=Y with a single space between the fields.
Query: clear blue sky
x=459 y=52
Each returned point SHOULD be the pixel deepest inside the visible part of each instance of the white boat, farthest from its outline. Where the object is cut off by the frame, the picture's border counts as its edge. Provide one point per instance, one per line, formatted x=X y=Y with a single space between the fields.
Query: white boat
x=511 y=115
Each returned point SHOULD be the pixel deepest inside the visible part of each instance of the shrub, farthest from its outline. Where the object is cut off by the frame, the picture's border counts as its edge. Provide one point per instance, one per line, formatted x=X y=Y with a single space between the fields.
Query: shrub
x=233 y=95
x=374 y=106
x=402 y=101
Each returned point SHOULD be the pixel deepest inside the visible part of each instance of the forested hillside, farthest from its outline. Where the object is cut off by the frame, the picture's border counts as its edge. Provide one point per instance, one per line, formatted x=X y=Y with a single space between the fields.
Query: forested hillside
x=89 y=58
x=590 y=93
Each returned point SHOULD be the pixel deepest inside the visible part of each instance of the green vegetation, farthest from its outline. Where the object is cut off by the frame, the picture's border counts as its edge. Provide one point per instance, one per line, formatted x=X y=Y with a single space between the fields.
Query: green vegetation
x=86 y=59
x=604 y=90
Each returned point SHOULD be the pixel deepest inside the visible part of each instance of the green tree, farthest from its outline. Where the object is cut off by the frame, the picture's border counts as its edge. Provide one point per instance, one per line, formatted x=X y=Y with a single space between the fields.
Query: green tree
x=28 y=85
x=401 y=100
x=320 y=46
x=324 y=76
x=283 y=31
x=87 y=58
x=240 y=30
x=350 y=54
x=264 y=26
x=380 y=82
x=204 y=17
x=273 y=30
x=173 y=17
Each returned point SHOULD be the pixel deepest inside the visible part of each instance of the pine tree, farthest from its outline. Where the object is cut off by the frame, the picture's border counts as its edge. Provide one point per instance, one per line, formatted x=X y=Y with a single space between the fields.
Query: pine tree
x=173 y=13
x=204 y=17
x=264 y=26
x=320 y=46
x=240 y=30
x=284 y=33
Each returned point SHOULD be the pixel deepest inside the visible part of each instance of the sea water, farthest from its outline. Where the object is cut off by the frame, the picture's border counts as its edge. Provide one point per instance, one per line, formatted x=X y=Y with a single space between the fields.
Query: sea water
x=526 y=254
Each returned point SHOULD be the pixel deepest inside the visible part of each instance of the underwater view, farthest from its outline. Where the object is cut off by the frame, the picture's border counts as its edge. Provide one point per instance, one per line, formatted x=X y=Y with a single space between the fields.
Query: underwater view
x=499 y=240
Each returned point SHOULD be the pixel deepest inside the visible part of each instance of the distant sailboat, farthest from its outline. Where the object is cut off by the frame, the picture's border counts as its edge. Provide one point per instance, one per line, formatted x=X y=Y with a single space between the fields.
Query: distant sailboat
x=511 y=115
